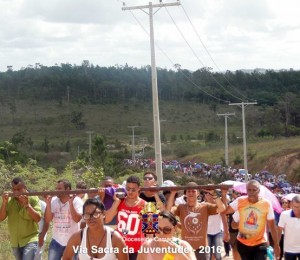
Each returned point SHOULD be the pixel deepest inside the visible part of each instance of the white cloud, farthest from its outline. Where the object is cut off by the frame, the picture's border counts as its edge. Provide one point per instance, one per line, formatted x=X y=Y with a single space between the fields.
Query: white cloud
x=238 y=34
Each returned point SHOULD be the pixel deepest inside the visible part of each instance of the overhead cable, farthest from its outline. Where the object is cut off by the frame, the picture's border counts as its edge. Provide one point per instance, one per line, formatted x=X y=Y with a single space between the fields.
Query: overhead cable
x=197 y=57
x=210 y=56
x=175 y=66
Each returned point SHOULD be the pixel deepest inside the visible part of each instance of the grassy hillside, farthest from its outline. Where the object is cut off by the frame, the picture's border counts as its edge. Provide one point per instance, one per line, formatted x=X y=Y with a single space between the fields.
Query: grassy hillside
x=275 y=155
x=45 y=118
x=184 y=128
x=52 y=120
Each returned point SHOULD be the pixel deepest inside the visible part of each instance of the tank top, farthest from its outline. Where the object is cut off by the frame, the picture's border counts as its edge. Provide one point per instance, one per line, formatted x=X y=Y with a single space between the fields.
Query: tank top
x=129 y=225
x=108 y=256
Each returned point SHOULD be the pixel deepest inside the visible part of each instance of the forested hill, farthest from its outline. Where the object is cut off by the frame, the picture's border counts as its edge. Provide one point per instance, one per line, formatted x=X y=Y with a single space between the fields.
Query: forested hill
x=277 y=95
x=93 y=84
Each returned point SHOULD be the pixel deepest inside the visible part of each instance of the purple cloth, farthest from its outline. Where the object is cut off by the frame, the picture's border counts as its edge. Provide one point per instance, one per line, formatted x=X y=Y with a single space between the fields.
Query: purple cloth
x=109 y=194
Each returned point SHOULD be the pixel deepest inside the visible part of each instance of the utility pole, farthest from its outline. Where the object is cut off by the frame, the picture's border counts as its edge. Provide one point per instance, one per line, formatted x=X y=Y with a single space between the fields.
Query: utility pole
x=68 y=112
x=242 y=105
x=156 y=123
x=132 y=142
x=90 y=144
x=144 y=139
x=68 y=99
x=226 y=115
x=143 y=144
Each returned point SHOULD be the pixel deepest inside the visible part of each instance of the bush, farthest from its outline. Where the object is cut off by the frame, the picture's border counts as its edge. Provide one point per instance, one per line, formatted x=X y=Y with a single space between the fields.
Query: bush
x=182 y=151
x=237 y=160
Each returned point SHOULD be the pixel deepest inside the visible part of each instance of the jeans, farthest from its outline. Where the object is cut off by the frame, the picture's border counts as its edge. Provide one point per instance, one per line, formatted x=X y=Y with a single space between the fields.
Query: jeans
x=26 y=252
x=56 y=250
x=215 y=242
x=39 y=253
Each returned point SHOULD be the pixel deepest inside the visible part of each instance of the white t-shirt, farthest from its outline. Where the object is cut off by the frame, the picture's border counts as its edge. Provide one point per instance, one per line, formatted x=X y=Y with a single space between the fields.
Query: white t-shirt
x=63 y=224
x=291 y=226
x=42 y=221
x=180 y=200
x=214 y=225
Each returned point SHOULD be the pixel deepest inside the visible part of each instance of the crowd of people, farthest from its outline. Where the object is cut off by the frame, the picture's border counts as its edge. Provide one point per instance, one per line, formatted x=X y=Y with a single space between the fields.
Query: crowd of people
x=110 y=223
x=205 y=170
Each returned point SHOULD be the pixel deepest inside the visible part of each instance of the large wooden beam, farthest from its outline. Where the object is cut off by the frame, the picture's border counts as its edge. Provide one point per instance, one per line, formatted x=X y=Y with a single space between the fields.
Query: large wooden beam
x=172 y=188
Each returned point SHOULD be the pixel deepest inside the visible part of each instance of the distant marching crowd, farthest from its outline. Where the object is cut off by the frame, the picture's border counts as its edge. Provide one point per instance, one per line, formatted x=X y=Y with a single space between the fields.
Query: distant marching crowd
x=202 y=169
x=122 y=222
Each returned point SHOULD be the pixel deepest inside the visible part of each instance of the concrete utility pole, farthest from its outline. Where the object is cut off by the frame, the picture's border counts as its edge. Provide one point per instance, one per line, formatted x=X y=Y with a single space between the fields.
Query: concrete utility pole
x=143 y=144
x=132 y=142
x=226 y=115
x=90 y=144
x=156 y=123
x=68 y=112
x=68 y=99
x=242 y=105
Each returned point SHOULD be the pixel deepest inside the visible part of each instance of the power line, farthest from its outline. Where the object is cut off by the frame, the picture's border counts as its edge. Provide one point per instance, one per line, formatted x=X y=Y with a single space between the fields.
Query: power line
x=197 y=57
x=212 y=96
x=176 y=65
x=208 y=53
x=218 y=83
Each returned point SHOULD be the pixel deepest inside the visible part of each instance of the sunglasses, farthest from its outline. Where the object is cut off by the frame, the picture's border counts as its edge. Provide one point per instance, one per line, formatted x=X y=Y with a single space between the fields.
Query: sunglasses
x=284 y=202
x=94 y=214
x=131 y=189
x=165 y=230
x=148 y=178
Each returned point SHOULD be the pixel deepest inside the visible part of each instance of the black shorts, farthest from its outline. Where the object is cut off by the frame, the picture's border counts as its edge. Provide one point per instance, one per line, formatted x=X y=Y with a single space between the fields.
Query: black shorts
x=258 y=252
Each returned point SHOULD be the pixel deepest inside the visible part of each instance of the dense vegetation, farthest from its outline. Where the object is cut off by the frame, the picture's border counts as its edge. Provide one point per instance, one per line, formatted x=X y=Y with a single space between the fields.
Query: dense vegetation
x=96 y=84
x=46 y=111
x=278 y=93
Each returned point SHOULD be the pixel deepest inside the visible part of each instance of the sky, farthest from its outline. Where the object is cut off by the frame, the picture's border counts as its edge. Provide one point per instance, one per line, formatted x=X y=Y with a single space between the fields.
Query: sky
x=221 y=34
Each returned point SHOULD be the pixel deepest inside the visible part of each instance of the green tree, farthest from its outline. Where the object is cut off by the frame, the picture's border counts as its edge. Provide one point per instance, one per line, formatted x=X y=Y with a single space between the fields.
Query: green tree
x=287 y=104
x=211 y=136
x=13 y=109
x=99 y=152
x=19 y=138
x=76 y=119
x=45 y=145
x=8 y=152
x=271 y=121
